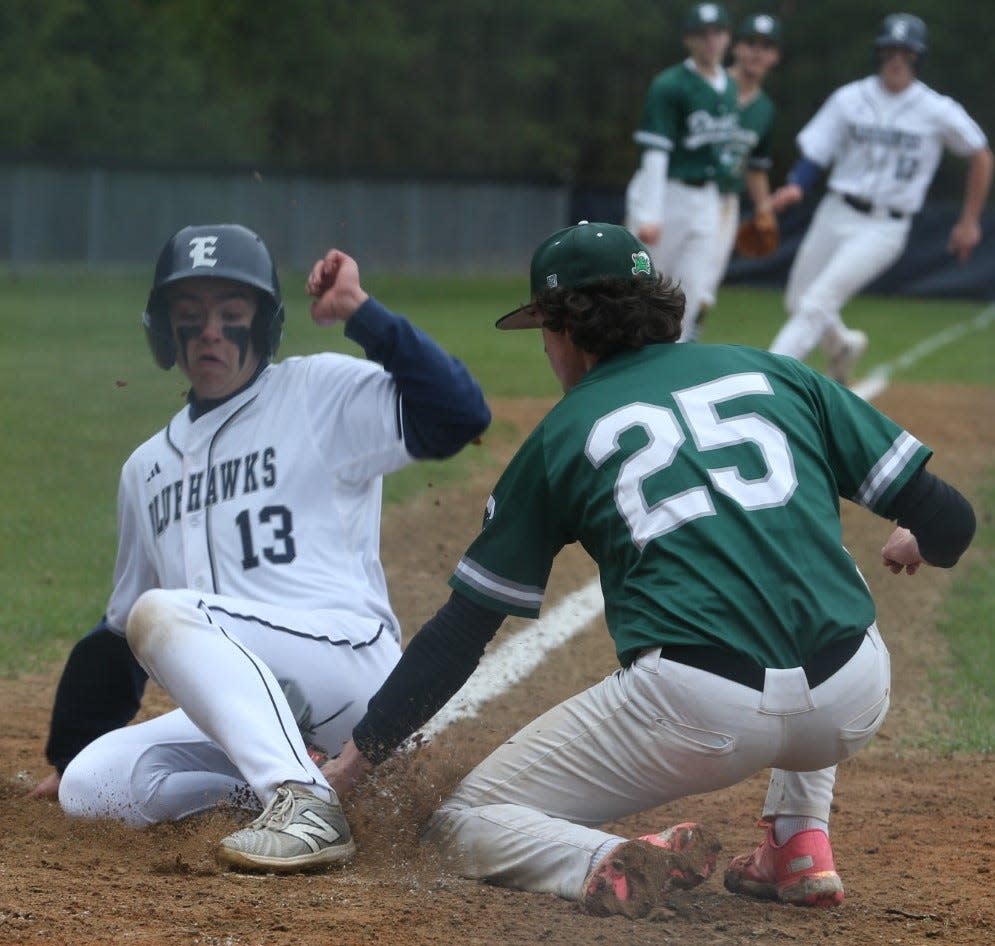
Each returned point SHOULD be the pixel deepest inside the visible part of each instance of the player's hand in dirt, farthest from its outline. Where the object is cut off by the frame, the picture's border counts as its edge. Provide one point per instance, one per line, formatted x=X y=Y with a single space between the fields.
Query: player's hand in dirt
x=334 y=283
x=347 y=769
x=48 y=787
x=901 y=552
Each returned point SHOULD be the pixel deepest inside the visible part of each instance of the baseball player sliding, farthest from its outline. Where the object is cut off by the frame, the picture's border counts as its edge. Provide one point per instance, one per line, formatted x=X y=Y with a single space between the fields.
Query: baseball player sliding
x=883 y=137
x=704 y=480
x=248 y=558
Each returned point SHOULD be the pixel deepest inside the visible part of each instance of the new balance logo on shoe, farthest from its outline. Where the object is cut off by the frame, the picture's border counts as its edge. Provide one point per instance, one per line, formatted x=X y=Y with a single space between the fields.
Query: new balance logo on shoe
x=316 y=834
x=297 y=831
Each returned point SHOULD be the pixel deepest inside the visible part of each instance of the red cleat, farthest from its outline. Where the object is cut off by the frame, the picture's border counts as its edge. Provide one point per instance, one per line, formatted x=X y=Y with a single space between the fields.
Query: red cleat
x=636 y=875
x=800 y=871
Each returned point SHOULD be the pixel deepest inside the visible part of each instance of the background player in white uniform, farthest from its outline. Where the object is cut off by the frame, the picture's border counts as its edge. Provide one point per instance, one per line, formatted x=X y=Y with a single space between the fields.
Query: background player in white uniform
x=688 y=127
x=704 y=480
x=883 y=136
x=249 y=532
x=756 y=49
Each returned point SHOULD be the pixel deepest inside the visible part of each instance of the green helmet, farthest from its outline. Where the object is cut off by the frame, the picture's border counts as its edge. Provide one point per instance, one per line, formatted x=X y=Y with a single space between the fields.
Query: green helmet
x=703 y=15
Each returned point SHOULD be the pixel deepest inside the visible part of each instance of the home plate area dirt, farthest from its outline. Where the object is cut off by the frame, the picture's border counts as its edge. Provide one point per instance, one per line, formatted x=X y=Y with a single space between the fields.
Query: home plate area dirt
x=912 y=828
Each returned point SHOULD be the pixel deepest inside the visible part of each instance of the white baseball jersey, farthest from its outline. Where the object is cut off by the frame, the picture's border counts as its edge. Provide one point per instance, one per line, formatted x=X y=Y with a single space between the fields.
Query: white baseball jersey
x=218 y=504
x=885 y=147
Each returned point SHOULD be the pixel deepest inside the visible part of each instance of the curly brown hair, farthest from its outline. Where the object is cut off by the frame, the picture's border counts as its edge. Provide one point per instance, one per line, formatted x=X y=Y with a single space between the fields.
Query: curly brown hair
x=614 y=315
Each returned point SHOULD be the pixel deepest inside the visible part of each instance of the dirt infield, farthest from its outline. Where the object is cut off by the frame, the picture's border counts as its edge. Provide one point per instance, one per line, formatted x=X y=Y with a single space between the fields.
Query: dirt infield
x=913 y=830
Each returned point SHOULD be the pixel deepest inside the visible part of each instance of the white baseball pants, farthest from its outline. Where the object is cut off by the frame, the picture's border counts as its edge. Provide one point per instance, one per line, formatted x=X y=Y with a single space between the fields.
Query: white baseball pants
x=527 y=816
x=842 y=251
x=686 y=248
x=225 y=662
x=722 y=246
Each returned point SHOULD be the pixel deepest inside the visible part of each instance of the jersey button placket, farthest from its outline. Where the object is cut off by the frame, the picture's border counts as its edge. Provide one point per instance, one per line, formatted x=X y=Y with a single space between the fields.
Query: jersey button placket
x=196 y=561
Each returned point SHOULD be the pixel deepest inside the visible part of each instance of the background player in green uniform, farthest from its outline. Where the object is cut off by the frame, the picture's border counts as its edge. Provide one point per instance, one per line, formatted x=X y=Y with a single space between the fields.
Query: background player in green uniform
x=756 y=50
x=705 y=482
x=688 y=131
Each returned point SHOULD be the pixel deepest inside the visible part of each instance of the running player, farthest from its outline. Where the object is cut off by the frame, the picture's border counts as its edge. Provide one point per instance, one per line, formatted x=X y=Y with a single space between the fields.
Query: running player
x=705 y=481
x=884 y=136
x=688 y=133
x=248 y=546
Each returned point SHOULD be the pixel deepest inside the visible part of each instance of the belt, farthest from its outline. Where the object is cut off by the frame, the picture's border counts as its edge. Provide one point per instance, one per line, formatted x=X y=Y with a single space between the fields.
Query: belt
x=695 y=183
x=866 y=207
x=739 y=669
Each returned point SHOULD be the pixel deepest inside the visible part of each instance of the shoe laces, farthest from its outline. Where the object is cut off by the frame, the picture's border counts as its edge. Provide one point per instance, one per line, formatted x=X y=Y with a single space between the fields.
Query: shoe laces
x=278 y=812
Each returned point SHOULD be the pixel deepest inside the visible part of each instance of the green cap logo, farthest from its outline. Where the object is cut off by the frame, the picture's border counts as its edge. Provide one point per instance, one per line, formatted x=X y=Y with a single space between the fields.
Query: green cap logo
x=641 y=265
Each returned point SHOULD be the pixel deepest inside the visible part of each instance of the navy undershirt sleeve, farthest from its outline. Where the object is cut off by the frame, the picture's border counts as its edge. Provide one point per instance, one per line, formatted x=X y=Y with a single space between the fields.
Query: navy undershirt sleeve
x=940 y=518
x=805 y=174
x=439 y=659
x=442 y=406
x=100 y=689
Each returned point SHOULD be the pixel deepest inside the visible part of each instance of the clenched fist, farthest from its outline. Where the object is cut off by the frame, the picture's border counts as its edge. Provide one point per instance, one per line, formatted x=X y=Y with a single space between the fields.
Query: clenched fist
x=334 y=283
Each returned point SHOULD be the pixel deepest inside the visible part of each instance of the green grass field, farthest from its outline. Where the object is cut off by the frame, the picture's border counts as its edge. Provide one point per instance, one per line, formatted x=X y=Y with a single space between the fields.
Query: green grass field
x=78 y=391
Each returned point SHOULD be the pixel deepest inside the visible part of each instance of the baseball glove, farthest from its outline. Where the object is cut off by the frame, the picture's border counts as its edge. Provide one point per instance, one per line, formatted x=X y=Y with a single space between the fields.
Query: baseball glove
x=758 y=236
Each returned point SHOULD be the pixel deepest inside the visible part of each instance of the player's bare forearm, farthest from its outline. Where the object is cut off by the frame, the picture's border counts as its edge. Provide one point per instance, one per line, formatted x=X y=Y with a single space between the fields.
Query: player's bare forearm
x=758 y=189
x=966 y=233
x=334 y=283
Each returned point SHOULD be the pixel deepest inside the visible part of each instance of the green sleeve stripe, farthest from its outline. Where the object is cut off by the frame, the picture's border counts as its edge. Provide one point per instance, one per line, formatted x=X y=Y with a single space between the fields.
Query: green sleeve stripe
x=498 y=588
x=648 y=139
x=887 y=469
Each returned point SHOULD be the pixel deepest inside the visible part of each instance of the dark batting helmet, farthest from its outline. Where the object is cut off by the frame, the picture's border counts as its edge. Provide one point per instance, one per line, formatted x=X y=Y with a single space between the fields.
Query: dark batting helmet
x=905 y=30
x=217 y=251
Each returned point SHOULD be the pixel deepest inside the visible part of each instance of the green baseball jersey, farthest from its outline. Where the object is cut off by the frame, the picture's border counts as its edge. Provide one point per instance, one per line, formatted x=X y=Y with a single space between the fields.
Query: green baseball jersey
x=750 y=148
x=688 y=118
x=704 y=480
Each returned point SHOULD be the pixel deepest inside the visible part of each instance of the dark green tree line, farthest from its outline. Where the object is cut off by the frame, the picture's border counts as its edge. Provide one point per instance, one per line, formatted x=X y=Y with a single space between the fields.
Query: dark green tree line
x=510 y=88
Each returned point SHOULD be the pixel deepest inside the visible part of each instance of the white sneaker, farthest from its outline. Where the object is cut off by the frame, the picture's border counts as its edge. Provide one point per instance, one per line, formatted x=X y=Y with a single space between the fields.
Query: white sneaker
x=846 y=356
x=296 y=831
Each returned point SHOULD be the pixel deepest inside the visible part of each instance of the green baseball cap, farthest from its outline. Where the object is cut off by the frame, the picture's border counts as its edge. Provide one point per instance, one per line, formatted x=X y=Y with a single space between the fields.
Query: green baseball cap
x=760 y=24
x=578 y=256
x=703 y=15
